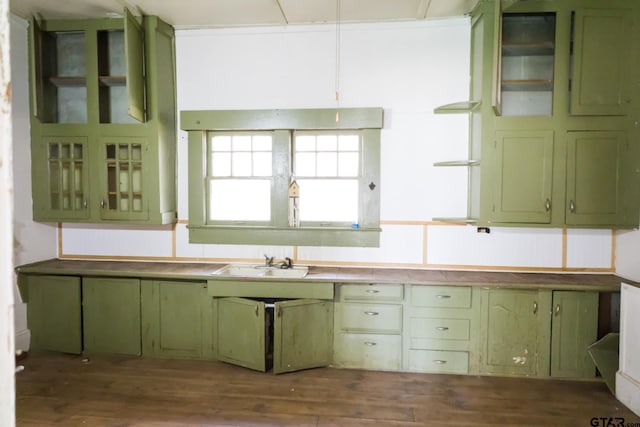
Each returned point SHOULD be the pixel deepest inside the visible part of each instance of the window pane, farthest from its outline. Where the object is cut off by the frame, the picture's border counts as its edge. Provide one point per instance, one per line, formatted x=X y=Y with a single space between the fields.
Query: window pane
x=241 y=143
x=348 y=164
x=241 y=164
x=240 y=200
x=305 y=143
x=262 y=143
x=262 y=164
x=327 y=142
x=221 y=143
x=328 y=164
x=348 y=142
x=220 y=164
x=331 y=200
x=305 y=164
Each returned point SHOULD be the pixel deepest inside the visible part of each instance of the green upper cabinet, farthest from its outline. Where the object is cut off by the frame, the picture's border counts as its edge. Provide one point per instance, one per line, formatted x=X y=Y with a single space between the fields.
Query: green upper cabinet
x=602 y=65
x=594 y=177
x=523 y=177
x=101 y=88
x=560 y=145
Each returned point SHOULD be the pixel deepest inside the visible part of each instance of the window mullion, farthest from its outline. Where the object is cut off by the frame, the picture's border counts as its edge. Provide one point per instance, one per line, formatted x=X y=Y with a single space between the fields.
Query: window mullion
x=282 y=169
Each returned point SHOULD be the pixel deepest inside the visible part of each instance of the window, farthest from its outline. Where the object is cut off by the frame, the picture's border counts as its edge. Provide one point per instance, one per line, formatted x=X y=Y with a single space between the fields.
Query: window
x=244 y=165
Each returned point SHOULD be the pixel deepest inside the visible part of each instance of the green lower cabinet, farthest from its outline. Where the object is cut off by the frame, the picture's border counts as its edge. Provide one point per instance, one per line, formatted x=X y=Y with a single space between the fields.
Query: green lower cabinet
x=53 y=312
x=439 y=361
x=514 y=330
x=285 y=335
x=574 y=327
x=368 y=351
x=177 y=319
x=111 y=315
x=303 y=335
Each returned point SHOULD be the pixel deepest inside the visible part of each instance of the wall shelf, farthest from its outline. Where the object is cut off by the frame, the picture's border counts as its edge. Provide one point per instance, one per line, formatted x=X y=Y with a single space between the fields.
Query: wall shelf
x=458 y=163
x=458 y=107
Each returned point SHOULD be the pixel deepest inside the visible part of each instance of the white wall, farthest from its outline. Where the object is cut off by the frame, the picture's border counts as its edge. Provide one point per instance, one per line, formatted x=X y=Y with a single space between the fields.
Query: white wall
x=407 y=69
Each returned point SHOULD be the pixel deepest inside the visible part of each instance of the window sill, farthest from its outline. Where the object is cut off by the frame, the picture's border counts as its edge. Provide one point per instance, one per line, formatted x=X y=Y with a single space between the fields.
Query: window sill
x=302 y=236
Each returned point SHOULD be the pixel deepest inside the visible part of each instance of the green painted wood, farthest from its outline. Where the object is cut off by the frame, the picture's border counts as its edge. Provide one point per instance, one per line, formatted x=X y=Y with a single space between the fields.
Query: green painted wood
x=111 y=315
x=177 y=319
x=124 y=178
x=240 y=332
x=367 y=351
x=270 y=289
x=594 y=173
x=510 y=332
x=303 y=335
x=369 y=318
x=134 y=52
x=61 y=191
x=158 y=133
x=53 y=312
x=314 y=119
x=523 y=178
x=574 y=328
x=35 y=68
x=601 y=63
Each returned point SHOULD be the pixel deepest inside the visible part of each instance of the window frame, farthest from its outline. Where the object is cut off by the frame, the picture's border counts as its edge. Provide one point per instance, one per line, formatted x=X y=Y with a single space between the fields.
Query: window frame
x=283 y=123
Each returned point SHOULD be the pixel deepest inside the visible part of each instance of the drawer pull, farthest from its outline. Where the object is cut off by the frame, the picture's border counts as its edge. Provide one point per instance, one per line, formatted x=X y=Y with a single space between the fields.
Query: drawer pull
x=371 y=313
x=443 y=296
x=440 y=361
x=442 y=328
x=372 y=291
x=370 y=343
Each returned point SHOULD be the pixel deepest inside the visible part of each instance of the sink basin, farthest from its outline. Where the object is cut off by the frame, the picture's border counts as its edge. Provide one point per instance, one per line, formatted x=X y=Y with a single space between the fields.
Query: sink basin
x=260 y=270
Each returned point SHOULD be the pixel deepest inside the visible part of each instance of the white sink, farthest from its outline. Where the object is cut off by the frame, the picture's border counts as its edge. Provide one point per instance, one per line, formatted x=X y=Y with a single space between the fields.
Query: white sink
x=260 y=270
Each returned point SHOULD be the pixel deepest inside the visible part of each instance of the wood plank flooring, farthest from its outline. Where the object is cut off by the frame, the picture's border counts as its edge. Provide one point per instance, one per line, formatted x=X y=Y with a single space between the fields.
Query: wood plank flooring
x=57 y=389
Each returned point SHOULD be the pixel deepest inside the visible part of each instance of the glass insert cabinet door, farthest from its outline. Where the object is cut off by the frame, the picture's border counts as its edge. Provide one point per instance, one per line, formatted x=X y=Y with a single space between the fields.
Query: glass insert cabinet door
x=61 y=191
x=123 y=183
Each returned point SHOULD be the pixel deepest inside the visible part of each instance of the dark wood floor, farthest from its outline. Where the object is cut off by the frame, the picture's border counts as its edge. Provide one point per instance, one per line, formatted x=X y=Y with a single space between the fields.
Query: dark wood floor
x=57 y=389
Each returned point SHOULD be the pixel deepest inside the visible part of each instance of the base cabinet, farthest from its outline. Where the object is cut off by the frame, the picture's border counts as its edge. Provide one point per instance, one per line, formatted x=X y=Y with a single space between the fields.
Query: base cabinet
x=54 y=314
x=285 y=335
x=177 y=319
x=538 y=333
x=440 y=329
x=111 y=315
x=574 y=327
x=368 y=325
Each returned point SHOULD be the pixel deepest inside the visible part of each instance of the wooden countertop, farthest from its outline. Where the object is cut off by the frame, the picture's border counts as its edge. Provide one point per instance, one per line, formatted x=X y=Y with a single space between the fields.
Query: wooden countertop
x=203 y=271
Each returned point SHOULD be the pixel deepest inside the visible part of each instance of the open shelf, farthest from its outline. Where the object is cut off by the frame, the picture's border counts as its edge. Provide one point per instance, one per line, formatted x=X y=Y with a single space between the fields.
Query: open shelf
x=64 y=81
x=458 y=107
x=458 y=163
x=456 y=220
x=112 y=81
x=542 y=48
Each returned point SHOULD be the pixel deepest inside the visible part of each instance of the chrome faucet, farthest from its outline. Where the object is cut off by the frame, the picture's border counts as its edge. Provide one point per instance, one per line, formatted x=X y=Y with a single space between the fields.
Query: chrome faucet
x=284 y=264
x=268 y=261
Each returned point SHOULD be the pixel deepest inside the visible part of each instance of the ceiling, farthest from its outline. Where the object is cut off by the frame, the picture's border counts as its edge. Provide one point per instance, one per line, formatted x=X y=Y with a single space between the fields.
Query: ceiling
x=237 y=13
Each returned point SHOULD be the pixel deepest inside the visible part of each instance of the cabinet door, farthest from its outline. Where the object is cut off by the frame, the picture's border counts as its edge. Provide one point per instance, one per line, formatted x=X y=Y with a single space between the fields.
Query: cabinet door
x=124 y=196
x=593 y=177
x=602 y=62
x=177 y=319
x=240 y=334
x=574 y=327
x=511 y=331
x=522 y=177
x=53 y=312
x=303 y=335
x=63 y=192
x=134 y=51
x=111 y=315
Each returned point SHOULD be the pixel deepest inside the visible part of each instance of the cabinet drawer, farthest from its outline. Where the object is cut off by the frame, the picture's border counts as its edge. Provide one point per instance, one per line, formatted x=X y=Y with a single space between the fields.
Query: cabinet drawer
x=441 y=296
x=384 y=318
x=453 y=362
x=368 y=351
x=445 y=329
x=371 y=292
